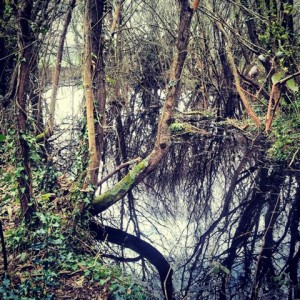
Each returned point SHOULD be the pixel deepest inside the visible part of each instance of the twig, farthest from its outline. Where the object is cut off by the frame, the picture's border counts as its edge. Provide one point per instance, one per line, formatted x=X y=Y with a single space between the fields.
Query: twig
x=293 y=158
x=165 y=283
x=288 y=78
x=260 y=256
x=130 y=162
x=275 y=94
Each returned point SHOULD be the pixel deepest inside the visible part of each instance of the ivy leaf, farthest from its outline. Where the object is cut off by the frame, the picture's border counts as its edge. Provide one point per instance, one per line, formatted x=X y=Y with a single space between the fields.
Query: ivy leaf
x=103 y=281
x=2 y=137
x=47 y=196
x=38 y=246
x=277 y=77
x=55 y=241
x=6 y=282
x=291 y=84
x=279 y=54
x=42 y=217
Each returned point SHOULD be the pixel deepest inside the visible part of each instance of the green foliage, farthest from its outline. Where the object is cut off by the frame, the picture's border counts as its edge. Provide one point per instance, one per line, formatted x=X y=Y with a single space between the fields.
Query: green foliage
x=2 y=137
x=277 y=77
x=9 y=174
x=285 y=135
x=7 y=291
x=43 y=174
x=176 y=128
x=291 y=84
x=50 y=248
x=126 y=290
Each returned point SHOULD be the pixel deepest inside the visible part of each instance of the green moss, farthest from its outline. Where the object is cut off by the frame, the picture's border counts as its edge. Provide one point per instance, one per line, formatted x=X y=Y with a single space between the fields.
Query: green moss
x=185 y=128
x=42 y=135
x=119 y=190
x=177 y=127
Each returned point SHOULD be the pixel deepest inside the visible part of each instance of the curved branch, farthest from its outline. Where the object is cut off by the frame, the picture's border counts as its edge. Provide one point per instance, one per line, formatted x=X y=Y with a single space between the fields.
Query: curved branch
x=119 y=237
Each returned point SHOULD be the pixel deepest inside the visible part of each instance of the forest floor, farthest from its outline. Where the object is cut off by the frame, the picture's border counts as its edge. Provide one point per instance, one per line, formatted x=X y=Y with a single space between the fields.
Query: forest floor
x=25 y=278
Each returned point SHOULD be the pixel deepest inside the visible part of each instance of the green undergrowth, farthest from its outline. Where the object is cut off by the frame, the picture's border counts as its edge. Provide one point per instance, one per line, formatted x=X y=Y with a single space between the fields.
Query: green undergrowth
x=285 y=134
x=50 y=258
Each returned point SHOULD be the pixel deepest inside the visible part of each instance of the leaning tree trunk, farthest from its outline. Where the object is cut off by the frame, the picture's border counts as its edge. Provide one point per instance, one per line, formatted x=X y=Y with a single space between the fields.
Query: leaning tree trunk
x=56 y=72
x=163 y=138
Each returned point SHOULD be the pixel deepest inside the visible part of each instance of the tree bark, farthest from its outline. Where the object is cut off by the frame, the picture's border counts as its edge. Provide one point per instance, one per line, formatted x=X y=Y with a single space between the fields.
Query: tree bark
x=98 y=73
x=93 y=165
x=25 y=42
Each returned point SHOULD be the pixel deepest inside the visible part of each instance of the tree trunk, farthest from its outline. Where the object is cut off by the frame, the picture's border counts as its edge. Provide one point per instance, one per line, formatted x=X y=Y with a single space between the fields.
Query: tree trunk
x=98 y=73
x=93 y=165
x=163 y=138
x=57 y=68
x=25 y=62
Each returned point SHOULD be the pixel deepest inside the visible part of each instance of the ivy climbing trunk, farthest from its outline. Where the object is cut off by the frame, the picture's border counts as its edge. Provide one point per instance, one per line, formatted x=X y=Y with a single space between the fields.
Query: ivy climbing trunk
x=25 y=45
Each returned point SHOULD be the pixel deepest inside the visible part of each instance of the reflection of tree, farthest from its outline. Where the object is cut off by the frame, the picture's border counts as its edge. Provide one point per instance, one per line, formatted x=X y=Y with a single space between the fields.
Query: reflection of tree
x=236 y=202
x=253 y=228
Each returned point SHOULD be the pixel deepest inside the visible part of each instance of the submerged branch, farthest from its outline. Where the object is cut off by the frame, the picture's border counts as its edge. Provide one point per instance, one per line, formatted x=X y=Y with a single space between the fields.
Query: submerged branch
x=119 y=237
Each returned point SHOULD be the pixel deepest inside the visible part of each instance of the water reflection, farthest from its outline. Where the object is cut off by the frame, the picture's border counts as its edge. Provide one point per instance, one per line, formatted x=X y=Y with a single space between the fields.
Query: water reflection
x=225 y=218
x=223 y=215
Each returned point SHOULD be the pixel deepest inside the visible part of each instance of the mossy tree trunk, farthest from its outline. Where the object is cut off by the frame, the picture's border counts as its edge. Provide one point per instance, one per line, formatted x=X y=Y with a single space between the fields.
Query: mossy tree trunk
x=163 y=138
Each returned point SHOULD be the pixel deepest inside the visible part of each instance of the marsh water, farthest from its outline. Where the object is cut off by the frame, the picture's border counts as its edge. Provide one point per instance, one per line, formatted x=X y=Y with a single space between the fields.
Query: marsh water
x=222 y=213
